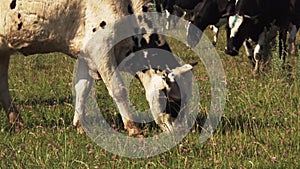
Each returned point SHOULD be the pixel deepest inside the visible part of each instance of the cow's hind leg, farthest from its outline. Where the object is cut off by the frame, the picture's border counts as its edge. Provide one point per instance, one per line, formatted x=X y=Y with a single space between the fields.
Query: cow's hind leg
x=5 y=99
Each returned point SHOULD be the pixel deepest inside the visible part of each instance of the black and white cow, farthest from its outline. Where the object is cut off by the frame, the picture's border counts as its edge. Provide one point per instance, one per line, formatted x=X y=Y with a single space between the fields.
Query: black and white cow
x=214 y=12
x=208 y=12
x=258 y=20
x=175 y=8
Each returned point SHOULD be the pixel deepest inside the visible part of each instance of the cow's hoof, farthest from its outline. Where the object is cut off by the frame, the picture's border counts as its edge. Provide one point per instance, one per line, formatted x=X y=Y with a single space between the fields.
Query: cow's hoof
x=16 y=121
x=133 y=130
x=80 y=129
x=255 y=74
x=214 y=44
x=94 y=75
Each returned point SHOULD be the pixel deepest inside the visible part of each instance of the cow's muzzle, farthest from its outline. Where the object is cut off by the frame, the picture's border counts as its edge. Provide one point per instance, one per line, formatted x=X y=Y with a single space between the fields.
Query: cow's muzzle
x=231 y=51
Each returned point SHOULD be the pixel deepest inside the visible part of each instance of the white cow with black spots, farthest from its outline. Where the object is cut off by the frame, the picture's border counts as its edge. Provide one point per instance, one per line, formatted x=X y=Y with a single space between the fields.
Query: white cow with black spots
x=44 y=26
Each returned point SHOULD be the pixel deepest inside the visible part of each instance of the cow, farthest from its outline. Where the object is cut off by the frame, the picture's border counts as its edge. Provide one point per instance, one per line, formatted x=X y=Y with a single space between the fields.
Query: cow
x=166 y=85
x=258 y=20
x=208 y=12
x=179 y=8
x=32 y=27
x=213 y=12
x=175 y=8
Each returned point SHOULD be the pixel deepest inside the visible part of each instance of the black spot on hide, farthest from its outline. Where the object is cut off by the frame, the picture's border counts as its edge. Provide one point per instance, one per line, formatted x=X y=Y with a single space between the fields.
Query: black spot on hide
x=143 y=30
x=130 y=10
x=94 y=30
x=19 y=15
x=20 y=25
x=145 y=9
x=140 y=18
x=149 y=23
x=102 y=24
x=136 y=30
x=13 y=4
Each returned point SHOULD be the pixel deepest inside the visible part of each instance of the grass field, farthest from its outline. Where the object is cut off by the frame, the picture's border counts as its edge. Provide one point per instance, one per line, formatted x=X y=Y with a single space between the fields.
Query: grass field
x=259 y=127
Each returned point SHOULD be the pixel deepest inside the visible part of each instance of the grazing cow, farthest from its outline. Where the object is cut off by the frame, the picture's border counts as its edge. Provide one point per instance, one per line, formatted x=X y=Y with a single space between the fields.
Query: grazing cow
x=201 y=13
x=179 y=8
x=175 y=7
x=208 y=12
x=44 y=26
x=163 y=86
x=258 y=20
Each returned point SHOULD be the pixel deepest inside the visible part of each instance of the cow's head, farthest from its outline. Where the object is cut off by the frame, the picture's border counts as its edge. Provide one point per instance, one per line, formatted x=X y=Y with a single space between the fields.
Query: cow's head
x=243 y=25
x=163 y=93
x=207 y=12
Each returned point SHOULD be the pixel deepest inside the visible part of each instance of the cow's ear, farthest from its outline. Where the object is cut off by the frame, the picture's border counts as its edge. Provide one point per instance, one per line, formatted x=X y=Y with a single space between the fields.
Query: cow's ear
x=194 y=64
x=183 y=69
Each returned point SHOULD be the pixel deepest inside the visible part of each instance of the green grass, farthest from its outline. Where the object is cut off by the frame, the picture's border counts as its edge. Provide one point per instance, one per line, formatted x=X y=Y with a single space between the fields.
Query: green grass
x=259 y=128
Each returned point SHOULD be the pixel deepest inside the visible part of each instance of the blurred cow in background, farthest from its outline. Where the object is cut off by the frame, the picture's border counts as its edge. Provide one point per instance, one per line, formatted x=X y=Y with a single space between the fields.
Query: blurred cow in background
x=258 y=21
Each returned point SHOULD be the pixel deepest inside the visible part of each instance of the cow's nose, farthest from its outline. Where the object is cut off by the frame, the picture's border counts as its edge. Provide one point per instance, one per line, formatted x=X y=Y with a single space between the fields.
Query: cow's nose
x=231 y=52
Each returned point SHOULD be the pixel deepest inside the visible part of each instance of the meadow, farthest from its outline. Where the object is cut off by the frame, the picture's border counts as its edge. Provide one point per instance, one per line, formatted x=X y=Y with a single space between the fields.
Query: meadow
x=258 y=129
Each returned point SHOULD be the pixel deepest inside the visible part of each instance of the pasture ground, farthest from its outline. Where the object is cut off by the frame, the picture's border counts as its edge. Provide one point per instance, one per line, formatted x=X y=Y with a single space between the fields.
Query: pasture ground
x=259 y=128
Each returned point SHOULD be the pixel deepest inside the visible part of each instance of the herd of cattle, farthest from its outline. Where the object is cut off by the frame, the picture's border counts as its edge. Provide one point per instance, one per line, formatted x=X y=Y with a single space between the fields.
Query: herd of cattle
x=67 y=26
x=247 y=22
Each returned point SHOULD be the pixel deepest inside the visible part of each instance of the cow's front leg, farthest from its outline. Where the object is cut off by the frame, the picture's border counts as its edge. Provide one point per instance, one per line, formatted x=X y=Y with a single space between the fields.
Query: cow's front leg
x=257 y=51
x=5 y=99
x=83 y=84
x=257 y=59
x=249 y=51
x=118 y=91
x=216 y=34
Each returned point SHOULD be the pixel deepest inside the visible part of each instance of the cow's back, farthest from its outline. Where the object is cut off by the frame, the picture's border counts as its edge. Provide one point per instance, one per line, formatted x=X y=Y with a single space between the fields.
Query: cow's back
x=56 y=26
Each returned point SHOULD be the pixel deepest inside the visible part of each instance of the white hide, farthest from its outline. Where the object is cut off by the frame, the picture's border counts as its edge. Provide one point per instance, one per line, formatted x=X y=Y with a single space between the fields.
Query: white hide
x=234 y=23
